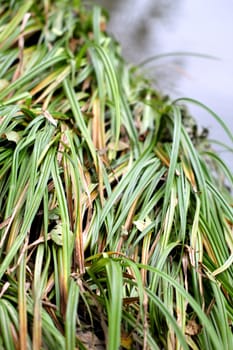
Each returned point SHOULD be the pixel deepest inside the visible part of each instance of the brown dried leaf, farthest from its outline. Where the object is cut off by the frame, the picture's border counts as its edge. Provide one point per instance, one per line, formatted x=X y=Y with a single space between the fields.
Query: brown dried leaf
x=90 y=340
x=192 y=328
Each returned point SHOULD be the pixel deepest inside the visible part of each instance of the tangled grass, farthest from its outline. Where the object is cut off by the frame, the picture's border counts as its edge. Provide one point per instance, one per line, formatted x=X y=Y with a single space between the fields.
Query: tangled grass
x=115 y=213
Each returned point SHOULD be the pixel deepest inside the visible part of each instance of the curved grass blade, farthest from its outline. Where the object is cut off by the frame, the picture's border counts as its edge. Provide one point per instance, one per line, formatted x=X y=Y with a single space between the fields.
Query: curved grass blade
x=114 y=304
x=79 y=118
x=212 y=113
x=71 y=316
x=206 y=323
x=174 y=54
x=12 y=25
x=113 y=83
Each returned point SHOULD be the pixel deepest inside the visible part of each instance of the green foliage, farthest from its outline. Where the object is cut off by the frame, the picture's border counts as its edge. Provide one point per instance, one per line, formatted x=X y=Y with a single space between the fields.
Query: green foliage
x=115 y=213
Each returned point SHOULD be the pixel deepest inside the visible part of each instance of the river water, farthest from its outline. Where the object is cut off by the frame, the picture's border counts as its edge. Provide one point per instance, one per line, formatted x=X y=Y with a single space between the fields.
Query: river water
x=147 y=28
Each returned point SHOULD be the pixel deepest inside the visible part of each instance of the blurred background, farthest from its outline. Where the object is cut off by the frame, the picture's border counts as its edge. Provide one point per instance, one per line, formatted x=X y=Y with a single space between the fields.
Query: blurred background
x=147 y=28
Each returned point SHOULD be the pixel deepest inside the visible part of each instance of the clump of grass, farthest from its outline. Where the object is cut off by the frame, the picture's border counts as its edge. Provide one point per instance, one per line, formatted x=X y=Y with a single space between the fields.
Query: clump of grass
x=116 y=221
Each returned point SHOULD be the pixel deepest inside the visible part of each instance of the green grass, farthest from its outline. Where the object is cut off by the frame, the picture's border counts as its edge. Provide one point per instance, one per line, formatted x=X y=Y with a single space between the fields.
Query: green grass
x=115 y=212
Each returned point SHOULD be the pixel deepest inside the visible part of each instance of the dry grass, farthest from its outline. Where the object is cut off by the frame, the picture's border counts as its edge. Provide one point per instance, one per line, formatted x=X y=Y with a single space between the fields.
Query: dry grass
x=116 y=221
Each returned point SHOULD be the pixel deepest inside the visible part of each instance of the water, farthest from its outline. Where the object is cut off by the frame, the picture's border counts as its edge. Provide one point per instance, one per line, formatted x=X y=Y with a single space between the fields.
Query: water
x=149 y=27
